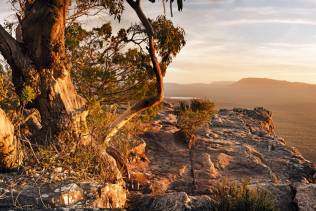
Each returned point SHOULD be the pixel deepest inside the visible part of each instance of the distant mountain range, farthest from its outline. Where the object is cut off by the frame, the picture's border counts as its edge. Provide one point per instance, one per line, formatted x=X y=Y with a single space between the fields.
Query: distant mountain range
x=247 y=91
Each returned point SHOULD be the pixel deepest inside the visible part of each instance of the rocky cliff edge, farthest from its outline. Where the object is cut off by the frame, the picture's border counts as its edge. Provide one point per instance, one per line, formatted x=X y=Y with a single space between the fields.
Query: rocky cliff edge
x=239 y=145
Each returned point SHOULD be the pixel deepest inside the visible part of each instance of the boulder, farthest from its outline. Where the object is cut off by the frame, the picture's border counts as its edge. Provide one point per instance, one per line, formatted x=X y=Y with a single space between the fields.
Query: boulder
x=11 y=155
x=65 y=196
x=111 y=196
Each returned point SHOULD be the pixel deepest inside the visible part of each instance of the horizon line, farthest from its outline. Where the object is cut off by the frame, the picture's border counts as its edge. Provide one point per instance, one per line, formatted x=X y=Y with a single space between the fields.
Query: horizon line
x=234 y=81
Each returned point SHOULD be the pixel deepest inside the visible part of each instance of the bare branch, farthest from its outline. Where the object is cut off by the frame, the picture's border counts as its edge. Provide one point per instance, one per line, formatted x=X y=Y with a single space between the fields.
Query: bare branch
x=141 y=16
x=150 y=101
x=171 y=12
x=8 y=44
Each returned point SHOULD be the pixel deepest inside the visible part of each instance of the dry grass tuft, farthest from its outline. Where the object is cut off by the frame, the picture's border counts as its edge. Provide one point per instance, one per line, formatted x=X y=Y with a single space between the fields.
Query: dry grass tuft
x=234 y=196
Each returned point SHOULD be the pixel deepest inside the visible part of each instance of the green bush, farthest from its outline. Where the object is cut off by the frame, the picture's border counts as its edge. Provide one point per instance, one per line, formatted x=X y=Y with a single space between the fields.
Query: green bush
x=233 y=196
x=27 y=94
x=195 y=115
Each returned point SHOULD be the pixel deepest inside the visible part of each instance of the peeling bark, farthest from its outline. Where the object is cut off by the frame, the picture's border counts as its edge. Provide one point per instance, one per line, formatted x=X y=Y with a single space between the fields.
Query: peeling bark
x=150 y=101
x=39 y=61
x=11 y=155
x=43 y=32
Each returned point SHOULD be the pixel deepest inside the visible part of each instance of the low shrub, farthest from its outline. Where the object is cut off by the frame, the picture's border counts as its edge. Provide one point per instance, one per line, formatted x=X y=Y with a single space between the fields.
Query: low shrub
x=234 y=196
x=194 y=115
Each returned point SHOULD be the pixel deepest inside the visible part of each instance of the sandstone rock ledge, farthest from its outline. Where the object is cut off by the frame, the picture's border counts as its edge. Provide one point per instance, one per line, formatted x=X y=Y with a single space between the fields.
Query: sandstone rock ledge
x=165 y=174
x=239 y=145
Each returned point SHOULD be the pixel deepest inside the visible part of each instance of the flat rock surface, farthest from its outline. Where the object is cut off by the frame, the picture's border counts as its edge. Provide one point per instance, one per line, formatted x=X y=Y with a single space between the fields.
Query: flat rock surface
x=239 y=145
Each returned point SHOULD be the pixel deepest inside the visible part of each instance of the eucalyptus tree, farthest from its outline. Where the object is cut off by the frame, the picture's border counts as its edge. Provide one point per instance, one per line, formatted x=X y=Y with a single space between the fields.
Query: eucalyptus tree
x=38 y=59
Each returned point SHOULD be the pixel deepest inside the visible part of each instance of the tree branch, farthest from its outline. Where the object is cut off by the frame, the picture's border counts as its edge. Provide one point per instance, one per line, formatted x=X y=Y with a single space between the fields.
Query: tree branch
x=150 y=101
x=19 y=62
x=142 y=17
x=8 y=45
x=12 y=51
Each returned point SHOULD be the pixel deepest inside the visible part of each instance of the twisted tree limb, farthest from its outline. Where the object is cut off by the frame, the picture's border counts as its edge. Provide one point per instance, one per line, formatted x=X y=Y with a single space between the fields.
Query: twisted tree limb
x=11 y=154
x=150 y=101
x=19 y=62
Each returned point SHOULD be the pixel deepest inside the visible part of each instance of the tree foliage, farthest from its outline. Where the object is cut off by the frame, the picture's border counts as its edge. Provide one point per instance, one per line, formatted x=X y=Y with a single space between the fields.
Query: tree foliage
x=115 y=67
x=107 y=67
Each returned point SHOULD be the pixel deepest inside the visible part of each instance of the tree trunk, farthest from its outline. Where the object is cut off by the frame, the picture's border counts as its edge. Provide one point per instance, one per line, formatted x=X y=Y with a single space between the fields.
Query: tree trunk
x=11 y=155
x=43 y=33
x=42 y=65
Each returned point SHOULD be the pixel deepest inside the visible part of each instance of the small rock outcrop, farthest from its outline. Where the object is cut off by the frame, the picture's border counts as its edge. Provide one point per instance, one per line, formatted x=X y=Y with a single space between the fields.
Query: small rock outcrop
x=239 y=145
x=11 y=156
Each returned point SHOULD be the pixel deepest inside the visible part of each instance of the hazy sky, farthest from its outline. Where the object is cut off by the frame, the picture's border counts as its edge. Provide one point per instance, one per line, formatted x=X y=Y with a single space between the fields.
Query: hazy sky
x=233 y=39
